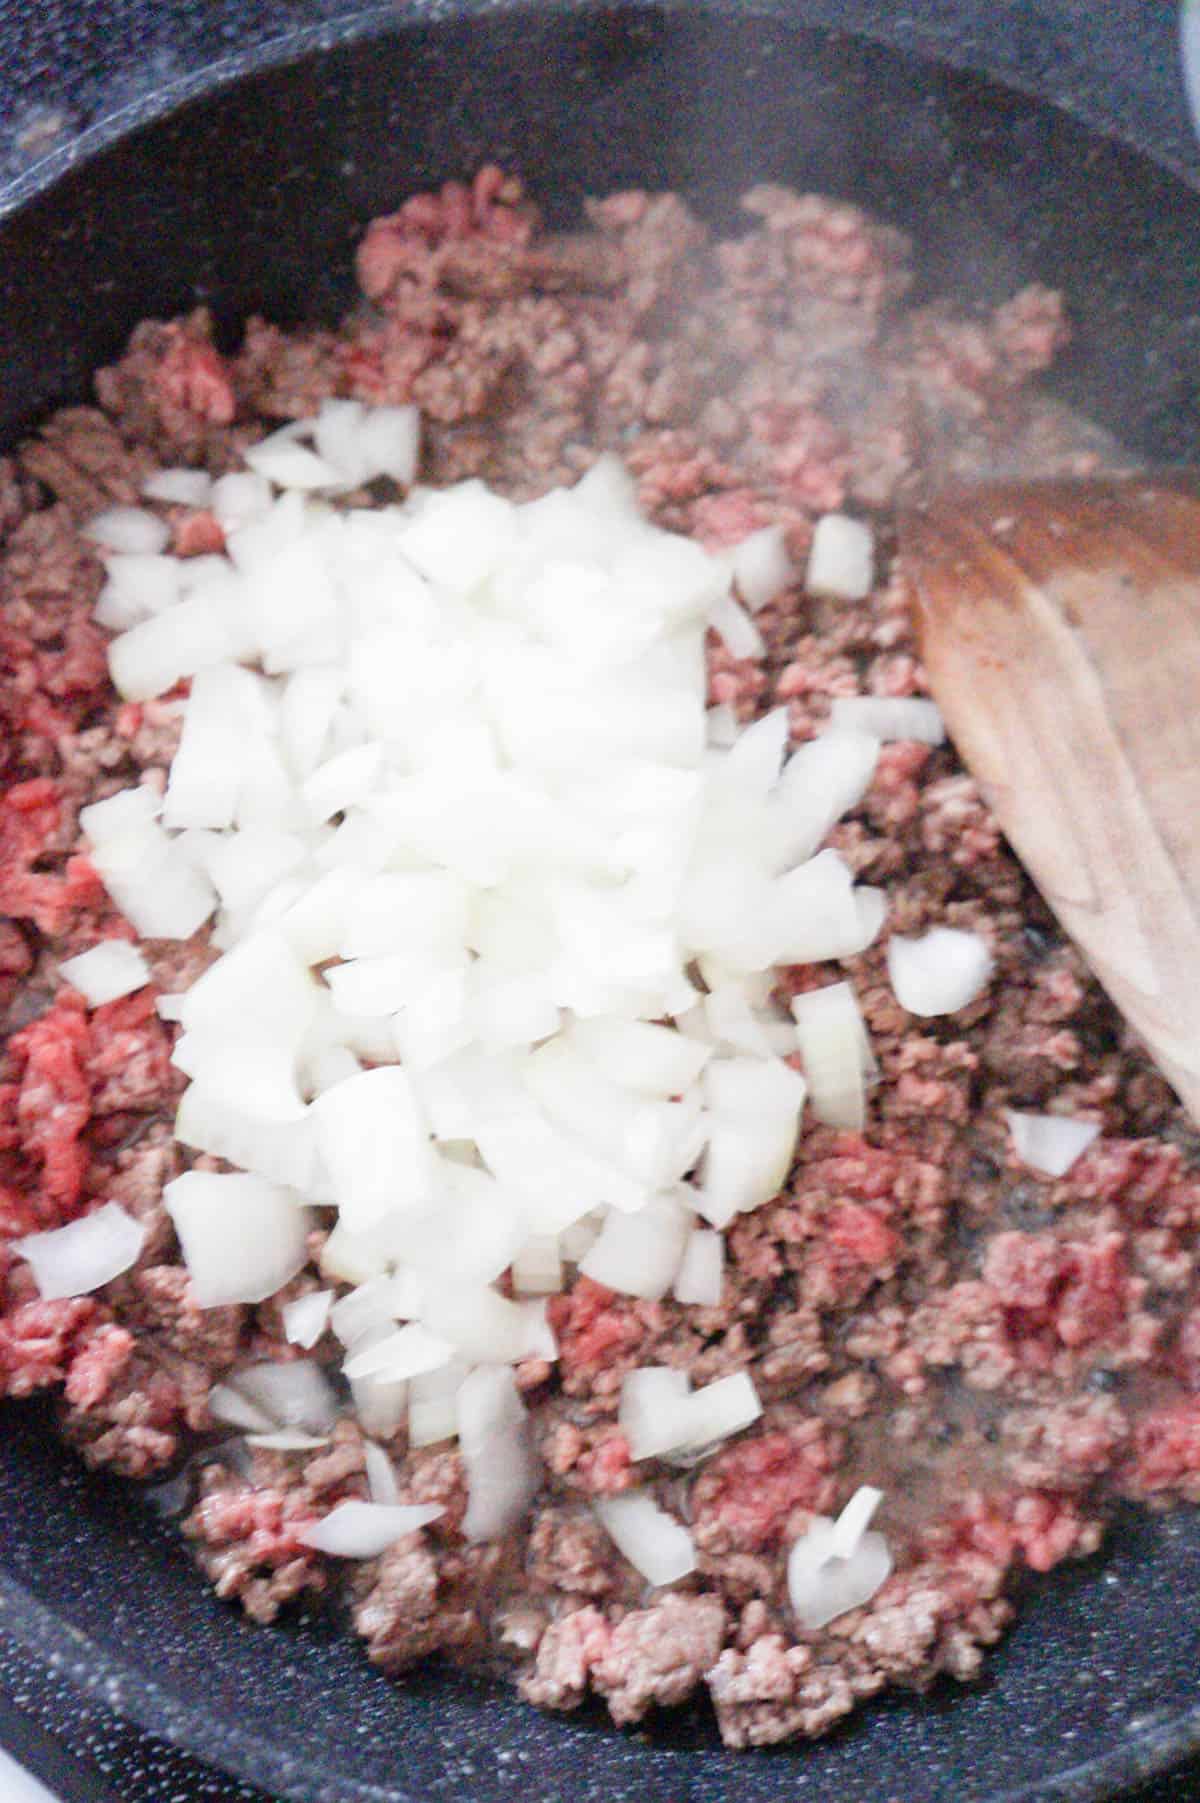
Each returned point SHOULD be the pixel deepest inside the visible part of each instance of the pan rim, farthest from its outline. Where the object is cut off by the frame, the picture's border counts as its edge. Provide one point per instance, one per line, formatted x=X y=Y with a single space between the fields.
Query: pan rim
x=258 y=1758
x=381 y=18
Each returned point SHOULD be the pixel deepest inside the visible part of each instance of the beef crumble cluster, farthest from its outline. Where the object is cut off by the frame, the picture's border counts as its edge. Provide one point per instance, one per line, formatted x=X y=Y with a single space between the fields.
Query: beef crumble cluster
x=1001 y=1353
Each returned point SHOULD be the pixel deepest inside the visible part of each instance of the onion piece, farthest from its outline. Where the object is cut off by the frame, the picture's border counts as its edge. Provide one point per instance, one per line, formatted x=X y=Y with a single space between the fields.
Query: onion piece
x=377 y=1303
x=240 y=498
x=639 y=1254
x=654 y=1543
x=242 y=1237
x=834 y=1048
x=887 y=717
x=179 y=487
x=822 y=1588
x=477 y=1322
x=1049 y=1143
x=381 y=1475
x=294 y=1393
x=154 y=655
x=432 y=1404
x=717 y=1410
x=408 y=1352
x=698 y=1282
x=653 y=1412
x=363 y=1530
x=823 y=1581
x=943 y=971
x=374 y=1145
x=287 y=1439
x=84 y=1255
x=722 y=727
x=380 y=1403
x=821 y=781
x=139 y=585
x=854 y=1521
x=159 y=892
x=133 y=531
x=841 y=559
x=119 y=814
x=305 y=1319
x=648 y=1059
x=537 y=1267
x=754 y=1108
x=206 y=773
x=493 y=1438
x=106 y=972
x=288 y=464
x=741 y=636
x=341 y=782
x=760 y=566
x=230 y=1406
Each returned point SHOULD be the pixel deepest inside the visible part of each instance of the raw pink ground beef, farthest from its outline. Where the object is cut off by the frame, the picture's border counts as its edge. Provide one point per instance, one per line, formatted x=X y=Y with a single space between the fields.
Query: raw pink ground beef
x=1001 y=1353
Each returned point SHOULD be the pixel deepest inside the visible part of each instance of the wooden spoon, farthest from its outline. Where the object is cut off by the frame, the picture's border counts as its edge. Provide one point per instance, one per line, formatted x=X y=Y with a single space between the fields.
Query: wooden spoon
x=1059 y=622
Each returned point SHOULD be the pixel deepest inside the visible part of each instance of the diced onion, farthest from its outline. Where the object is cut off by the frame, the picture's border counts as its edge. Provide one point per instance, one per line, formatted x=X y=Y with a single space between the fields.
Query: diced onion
x=639 y=1254
x=138 y=585
x=374 y=1144
x=1049 y=1143
x=638 y=1055
x=760 y=566
x=294 y=1393
x=655 y=1544
x=478 y=1322
x=381 y=1475
x=305 y=1319
x=448 y=783
x=131 y=530
x=377 y=1303
x=180 y=487
x=406 y=1353
x=832 y=1038
x=837 y=1566
x=882 y=717
x=85 y=1254
x=288 y=464
x=841 y=560
x=363 y=1530
x=698 y=1282
x=660 y=1416
x=433 y=1404
x=242 y=1237
x=108 y=971
x=287 y=1439
x=229 y=1405
x=537 y=1268
x=742 y=637
x=854 y=1521
x=943 y=971
x=720 y=1409
x=380 y=1403
x=493 y=1438
x=653 y=1414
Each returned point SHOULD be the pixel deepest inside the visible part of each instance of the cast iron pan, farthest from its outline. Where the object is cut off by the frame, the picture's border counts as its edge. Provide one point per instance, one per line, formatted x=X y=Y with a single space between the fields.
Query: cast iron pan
x=249 y=197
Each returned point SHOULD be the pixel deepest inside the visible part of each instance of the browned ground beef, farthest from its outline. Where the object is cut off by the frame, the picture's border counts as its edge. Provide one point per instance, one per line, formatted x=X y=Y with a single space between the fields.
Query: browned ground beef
x=1000 y=1353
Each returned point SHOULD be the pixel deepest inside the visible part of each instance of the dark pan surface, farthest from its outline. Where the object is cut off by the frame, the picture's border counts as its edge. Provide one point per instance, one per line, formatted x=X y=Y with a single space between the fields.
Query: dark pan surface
x=1096 y=1685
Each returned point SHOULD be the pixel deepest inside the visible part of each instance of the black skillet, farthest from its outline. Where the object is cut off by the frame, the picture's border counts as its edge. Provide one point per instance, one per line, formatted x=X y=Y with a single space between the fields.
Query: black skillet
x=243 y=185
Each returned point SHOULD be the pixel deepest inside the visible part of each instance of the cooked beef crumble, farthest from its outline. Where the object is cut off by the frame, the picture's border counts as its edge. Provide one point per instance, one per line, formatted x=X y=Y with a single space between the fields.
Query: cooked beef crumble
x=1000 y=1353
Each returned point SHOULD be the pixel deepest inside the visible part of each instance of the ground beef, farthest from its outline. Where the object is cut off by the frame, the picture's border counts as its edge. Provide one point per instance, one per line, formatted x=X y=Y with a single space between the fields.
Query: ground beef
x=1001 y=1353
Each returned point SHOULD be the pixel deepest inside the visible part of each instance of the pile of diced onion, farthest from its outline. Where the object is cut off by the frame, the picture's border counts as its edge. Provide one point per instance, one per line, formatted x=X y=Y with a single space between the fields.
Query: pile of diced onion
x=499 y=903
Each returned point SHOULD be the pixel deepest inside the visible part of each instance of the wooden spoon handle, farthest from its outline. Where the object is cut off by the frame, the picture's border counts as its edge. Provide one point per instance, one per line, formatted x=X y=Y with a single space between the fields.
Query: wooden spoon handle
x=1060 y=627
